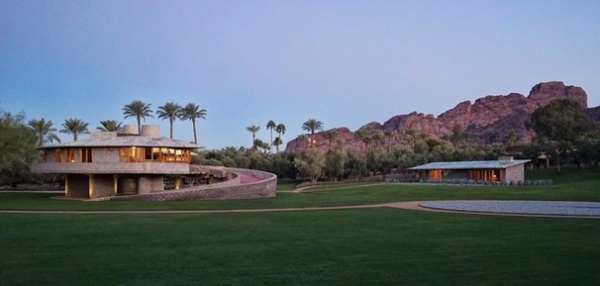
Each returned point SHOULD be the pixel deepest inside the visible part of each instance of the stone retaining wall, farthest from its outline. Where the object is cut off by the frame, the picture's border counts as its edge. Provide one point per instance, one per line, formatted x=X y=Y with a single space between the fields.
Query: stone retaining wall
x=227 y=190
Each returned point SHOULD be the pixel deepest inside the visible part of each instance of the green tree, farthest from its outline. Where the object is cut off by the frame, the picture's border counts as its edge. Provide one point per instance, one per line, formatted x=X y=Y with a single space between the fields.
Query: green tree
x=139 y=110
x=109 y=126
x=190 y=112
x=335 y=162
x=377 y=136
x=280 y=129
x=561 y=123
x=511 y=138
x=17 y=145
x=44 y=131
x=389 y=136
x=310 y=163
x=75 y=127
x=587 y=149
x=356 y=164
x=365 y=134
x=271 y=126
x=311 y=126
x=457 y=134
x=253 y=129
x=380 y=161
x=259 y=144
x=277 y=142
x=171 y=111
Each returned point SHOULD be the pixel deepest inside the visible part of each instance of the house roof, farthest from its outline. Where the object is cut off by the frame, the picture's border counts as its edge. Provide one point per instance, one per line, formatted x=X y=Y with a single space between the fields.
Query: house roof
x=125 y=141
x=491 y=164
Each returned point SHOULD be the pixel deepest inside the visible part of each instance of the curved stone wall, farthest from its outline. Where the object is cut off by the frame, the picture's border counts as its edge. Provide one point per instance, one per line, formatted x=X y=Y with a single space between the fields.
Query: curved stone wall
x=263 y=187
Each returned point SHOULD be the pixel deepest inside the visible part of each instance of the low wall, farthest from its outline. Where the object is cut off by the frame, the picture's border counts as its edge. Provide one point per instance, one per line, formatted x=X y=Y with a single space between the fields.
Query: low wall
x=231 y=189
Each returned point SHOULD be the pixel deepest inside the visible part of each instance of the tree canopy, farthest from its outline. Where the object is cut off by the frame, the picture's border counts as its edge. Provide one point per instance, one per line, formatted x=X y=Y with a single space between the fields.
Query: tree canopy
x=171 y=111
x=191 y=112
x=75 y=127
x=17 y=146
x=560 y=124
x=139 y=110
x=43 y=130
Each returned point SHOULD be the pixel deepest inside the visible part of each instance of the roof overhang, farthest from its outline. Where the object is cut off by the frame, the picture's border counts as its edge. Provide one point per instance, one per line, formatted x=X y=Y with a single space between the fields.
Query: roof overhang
x=465 y=165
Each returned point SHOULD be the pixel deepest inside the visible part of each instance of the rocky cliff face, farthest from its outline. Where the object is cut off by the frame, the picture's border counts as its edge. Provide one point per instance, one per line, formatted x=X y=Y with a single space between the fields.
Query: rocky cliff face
x=489 y=118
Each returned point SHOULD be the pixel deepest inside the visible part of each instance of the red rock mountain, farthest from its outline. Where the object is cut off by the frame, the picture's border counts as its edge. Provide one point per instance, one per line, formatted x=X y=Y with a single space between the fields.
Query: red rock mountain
x=489 y=118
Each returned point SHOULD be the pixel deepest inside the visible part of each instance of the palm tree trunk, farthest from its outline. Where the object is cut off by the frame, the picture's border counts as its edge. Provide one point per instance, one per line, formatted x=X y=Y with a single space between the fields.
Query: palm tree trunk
x=139 y=122
x=271 y=142
x=194 y=126
x=171 y=128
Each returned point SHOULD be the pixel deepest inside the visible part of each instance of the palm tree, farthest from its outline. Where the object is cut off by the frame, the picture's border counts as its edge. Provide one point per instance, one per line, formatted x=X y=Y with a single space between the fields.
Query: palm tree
x=280 y=129
x=44 y=131
x=260 y=144
x=277 y=142
x=109 y=126
x=171 y=111
x=190 y=112
x=311 y=125
x=139 y=110
x=75 y=127
x=253 y=129
x=270 y=126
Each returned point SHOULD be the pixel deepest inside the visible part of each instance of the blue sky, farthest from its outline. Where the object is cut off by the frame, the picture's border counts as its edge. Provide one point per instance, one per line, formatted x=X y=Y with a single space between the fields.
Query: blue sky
x=346 y=63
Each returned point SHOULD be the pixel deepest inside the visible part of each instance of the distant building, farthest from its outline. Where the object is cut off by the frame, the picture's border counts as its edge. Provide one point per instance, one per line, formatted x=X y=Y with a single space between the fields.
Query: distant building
x=505 y=169
x=110 y=164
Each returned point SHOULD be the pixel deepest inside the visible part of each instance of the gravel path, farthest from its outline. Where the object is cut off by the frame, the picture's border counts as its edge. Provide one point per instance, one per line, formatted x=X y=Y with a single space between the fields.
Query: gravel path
x=547 y=208
x=506 y=208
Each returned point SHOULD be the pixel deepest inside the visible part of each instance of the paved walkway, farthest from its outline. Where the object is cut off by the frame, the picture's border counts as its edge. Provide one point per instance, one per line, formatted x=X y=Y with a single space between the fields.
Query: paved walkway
x=503 y=208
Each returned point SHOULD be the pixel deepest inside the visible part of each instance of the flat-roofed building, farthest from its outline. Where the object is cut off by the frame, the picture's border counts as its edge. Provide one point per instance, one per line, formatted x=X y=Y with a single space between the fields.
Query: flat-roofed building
x=505 y=169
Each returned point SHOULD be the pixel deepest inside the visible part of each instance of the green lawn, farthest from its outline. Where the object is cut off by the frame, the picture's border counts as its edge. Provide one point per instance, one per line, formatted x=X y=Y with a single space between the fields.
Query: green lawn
x=378 y=246
x=571 y=185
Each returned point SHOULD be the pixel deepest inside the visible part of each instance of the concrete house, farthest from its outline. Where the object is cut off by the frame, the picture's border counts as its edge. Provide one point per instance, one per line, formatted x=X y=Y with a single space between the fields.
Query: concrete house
x=505 y=169
x=110 y=164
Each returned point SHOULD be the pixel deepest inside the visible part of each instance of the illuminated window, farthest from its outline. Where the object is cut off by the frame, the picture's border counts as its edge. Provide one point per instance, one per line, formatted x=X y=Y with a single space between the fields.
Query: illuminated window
x=69 y=155
x=124 y=155
x=86 y=155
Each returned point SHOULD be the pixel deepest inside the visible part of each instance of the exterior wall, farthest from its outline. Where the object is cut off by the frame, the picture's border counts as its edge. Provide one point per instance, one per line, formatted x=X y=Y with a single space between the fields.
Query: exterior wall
x=231 y=189
x=112 y=168
x=105 y=155
x=515 y=174
x=77 y=186
x=103 y=186
x=150 y=184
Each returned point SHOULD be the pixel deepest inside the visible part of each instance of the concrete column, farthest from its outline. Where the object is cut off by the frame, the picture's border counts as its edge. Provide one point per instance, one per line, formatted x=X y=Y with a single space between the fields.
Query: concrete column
x=178 y=182
x=66 y=185
x=115 y=183
x=91 y=186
